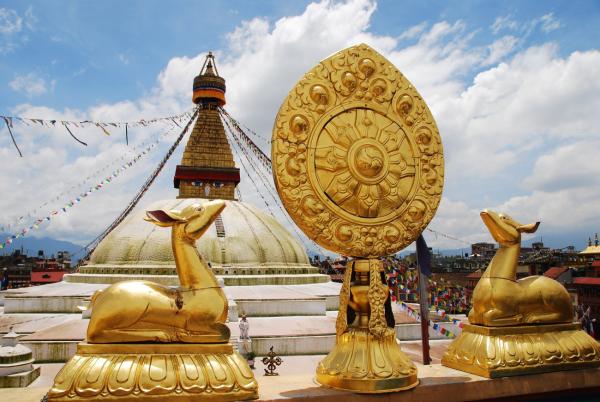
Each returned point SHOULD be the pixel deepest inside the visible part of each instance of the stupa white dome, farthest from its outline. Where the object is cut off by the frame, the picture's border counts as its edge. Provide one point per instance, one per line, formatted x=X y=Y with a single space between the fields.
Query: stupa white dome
x=246 y=246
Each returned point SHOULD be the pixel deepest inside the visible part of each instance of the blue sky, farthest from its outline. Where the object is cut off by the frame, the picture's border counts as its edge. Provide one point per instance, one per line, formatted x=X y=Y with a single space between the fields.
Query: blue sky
x=113 y=50
x=512 y=85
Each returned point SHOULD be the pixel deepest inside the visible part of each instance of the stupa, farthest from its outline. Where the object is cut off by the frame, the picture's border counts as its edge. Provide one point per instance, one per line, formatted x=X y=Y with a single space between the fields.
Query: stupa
x=16 y=363
x=264 y=269
x=245 y=246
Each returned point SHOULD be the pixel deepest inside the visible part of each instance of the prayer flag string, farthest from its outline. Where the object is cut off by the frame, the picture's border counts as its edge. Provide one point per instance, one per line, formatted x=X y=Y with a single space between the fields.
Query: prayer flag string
x=142 y=122
x=255 y=148
x=76 y=200
x=130 y=152
x=76 y=139
x=434 y=325
x=8 y=121
x=91 y=246
x=237 y=136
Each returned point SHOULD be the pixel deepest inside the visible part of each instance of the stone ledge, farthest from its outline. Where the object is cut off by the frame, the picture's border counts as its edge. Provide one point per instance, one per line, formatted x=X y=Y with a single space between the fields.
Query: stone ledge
x=19 y=380
x=43 y=305
x=293 y=345
x=281 y=307
x=52 y=351
x=437 y=383
x=230 y=280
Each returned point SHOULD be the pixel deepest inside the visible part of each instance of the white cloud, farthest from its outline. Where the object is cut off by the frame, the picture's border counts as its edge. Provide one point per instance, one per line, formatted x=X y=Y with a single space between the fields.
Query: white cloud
x=79 y=72
x=505 y=22
x=549 y=23
x=499 y=49
x=10 y=22
x=413 y=31
x=457 y=218
x=123 y=58
x=524 y=116
x=30 y=18
x=12 y=32
x=570 y=166
x=546 y=23
x=563 y=211
x=31 y=85
x=532 y=101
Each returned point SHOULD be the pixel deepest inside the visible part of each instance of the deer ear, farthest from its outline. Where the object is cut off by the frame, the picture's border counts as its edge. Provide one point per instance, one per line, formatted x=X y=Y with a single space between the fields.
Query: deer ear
x=159 y=218
x=531 y=228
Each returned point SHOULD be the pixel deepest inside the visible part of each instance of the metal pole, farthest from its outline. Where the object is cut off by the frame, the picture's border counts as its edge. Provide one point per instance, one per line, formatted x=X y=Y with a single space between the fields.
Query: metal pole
x=424 y=309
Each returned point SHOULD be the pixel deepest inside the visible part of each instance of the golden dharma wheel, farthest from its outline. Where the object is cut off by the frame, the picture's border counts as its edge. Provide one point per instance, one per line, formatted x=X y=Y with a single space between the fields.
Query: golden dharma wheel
x=357 y=156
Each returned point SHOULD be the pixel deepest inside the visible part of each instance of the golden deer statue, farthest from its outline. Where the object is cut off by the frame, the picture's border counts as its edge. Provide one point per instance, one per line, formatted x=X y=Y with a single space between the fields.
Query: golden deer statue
x=143 y=311
x=518 y=326
x=499 y=299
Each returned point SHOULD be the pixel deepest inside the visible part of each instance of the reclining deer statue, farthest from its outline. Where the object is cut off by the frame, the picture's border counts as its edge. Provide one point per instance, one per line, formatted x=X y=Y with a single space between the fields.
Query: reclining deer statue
x=144 y=311
x=499 y=299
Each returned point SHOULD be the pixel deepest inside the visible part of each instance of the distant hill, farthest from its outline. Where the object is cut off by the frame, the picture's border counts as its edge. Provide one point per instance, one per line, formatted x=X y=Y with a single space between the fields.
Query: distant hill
x=31 y=245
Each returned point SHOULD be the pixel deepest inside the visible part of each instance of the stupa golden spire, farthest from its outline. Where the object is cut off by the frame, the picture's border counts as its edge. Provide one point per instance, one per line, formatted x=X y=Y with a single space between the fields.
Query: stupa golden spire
x=207 y=168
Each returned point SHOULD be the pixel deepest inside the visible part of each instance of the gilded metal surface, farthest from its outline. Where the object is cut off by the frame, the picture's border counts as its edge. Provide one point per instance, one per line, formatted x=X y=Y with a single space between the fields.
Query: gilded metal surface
x=357 y=155
x=358 y=164
x=499 y=340
x=143 y=311
x=499 y=299
x=341 y=323
x=377 y=295
x=366 y=357
x=526 y=349
x=151 y=342
x=139 y=372
x=362 y=363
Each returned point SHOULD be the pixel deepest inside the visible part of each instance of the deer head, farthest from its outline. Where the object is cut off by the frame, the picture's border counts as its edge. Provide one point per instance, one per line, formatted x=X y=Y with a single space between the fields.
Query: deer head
x=504 y=229
x=196 y=218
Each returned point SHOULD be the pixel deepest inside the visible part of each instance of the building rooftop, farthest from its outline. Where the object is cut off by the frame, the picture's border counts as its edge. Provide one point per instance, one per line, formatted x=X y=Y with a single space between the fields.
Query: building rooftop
x=586 y=281
x=591 y=250
x=555 y=272
x=476 y=274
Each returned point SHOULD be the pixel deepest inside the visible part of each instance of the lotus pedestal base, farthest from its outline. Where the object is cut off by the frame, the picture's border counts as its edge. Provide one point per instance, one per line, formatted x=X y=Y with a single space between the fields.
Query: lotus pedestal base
x=154 y=372
x=504 y=351
x=361 y=363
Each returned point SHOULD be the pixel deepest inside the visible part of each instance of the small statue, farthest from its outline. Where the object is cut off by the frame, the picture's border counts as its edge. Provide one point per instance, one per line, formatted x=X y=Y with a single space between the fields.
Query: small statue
x=144 y=311
x=244 y=327
x=499 y=299
x=271 y=361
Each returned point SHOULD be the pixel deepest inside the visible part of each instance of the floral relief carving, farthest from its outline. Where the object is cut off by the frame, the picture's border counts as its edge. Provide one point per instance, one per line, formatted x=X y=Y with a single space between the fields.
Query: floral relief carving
x=357 y=156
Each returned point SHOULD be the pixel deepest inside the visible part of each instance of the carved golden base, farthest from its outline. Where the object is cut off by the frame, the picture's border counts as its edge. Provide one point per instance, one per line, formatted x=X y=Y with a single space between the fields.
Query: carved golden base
x=503 y=351
x=154 y=372
x=361 y=363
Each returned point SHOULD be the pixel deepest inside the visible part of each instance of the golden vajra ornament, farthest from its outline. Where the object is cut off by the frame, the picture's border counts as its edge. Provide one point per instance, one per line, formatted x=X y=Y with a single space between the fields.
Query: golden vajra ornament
x=358 y=164
x=147 y=341
x=518 y=326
